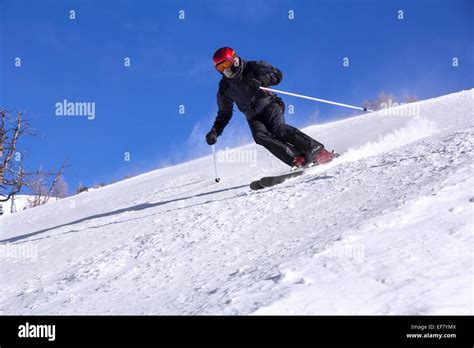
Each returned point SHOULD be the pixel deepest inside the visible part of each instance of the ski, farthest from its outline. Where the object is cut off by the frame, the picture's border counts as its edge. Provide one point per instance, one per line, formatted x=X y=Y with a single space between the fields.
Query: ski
x=269 y=181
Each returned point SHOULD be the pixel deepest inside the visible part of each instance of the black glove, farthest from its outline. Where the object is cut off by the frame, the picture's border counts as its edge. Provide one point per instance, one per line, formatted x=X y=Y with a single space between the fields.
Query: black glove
x=255 y=84
x=211 y=137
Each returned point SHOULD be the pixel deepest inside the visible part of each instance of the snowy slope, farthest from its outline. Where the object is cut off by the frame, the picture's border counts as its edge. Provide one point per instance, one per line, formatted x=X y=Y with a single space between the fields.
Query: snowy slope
x=386 y=229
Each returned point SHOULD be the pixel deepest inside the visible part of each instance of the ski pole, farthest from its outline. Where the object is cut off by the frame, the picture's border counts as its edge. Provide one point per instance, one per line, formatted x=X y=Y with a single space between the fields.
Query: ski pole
x=215 y=164
x=315 y=99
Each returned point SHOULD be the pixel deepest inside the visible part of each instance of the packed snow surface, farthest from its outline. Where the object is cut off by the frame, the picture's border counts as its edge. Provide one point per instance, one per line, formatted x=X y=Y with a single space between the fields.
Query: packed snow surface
x=387 y=228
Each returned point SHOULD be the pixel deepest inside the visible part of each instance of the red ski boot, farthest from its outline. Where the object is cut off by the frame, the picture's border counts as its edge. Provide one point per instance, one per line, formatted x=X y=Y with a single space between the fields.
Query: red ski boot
x=320 y=155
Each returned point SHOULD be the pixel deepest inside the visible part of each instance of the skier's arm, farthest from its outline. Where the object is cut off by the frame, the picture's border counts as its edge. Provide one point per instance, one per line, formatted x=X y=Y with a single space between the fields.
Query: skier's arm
x=267 y=74
x=225 y=105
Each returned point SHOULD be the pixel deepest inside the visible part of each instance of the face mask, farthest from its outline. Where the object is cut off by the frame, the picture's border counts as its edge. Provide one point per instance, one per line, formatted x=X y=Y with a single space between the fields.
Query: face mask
x=233 y=70
x=228 y=73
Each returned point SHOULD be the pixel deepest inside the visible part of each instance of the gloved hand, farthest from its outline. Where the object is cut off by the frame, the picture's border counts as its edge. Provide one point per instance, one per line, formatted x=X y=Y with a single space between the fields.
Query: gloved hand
x=211 y=137
x=255 y=84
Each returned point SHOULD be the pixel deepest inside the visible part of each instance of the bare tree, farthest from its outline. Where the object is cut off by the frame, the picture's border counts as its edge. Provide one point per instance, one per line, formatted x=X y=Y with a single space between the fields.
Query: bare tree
x=13 y=176
x=38 y=188
x=44 y=188
x=81 y=188
x=61 y=189
x=410 y=98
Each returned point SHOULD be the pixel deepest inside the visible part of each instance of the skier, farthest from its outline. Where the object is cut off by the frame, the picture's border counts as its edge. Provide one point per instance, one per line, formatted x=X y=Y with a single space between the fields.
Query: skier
x=240 y=83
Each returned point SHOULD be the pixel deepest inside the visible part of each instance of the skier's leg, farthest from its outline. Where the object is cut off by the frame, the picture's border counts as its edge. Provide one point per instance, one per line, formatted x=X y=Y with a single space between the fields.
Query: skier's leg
x=281 y=150
x=275 y=123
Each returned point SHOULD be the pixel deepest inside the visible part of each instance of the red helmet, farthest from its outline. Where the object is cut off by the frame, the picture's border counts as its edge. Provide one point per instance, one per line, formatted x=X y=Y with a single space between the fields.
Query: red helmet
x=227 y=62
x=223 y=54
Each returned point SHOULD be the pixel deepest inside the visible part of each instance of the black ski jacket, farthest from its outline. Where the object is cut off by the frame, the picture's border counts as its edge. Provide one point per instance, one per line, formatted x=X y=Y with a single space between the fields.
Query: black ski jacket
x=236 y=90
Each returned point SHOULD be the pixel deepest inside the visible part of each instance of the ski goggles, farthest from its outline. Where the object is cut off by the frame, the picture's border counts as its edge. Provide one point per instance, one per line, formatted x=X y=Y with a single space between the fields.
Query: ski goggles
x=222 y=66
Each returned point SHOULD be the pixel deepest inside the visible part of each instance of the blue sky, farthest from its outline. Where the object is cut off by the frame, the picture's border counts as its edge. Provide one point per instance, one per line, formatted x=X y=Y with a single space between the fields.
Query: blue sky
x=137 y=107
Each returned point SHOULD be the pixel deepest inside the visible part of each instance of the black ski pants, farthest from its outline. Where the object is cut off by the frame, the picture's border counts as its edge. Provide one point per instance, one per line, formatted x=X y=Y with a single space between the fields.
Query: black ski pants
x=282 y=140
